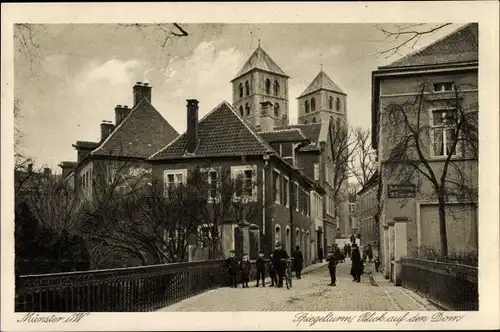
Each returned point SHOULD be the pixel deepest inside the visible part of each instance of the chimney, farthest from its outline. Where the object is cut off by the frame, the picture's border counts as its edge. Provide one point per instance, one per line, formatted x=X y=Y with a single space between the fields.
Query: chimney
x=30 y=167
x=106 y=128
x=46 y=171
x=192 y=125
x=120 y=113
x=266 y=120
x=141 y=91
x=66 y=167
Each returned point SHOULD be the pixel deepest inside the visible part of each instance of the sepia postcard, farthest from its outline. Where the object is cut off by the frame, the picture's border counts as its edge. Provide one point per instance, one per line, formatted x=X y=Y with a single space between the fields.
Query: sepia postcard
x=247 y=166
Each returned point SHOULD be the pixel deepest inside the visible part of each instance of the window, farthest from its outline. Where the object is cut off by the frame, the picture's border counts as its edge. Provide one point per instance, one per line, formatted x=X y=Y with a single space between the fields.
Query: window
x=306 y=106
x=247 y=88
x=241 y=110
x=276 y=88
x=337 y=123
x=247 y=109
x=205 y=235
x=337 y=105
x=297 y=201
x=443 y=87
x=313 y=104
x=443 y=132
x=277 y=187
x=246 y=177
x=314 y=120
x=285 y=191
x=330 y=103
x=241 y=90
x=308 y=203
x=316 y=171
x=248 y=184
x=212 y=181
x=277 y=234
x=174 y=179
x=277 y=110
x=268 y=86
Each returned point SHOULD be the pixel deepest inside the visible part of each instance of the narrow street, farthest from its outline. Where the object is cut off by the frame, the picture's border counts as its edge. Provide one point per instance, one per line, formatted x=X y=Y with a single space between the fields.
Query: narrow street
x=311 y=293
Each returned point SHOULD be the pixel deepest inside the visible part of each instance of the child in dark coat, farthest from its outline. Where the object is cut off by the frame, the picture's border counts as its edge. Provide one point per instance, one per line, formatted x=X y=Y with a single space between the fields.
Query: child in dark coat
x=245 y=268
x=260 y=263
x=233 y=266
x=272 y=272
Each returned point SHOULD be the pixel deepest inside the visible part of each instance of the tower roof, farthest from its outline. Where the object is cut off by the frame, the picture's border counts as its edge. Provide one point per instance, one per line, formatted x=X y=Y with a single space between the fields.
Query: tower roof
x=322 y=82
x=262 y=61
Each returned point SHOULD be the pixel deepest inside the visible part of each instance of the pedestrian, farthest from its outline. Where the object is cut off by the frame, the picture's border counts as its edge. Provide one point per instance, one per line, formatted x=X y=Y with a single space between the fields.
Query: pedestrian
x=369 y=253
x=349 y=249
x=233 y=264
x=357 y=264
x=245 y=269
x=298 y=262
x=377 y=264
x=333 y=259
x=272 y=272
x=260 y=264
x=345 y=250
x=279 y=257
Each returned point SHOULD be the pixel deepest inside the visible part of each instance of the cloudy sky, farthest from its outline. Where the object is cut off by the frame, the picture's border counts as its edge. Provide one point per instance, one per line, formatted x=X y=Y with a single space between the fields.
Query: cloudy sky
x=74 y=74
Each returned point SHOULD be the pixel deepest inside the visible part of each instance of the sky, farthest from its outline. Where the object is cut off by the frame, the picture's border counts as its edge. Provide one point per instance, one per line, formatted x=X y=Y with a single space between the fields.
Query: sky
x=73 y=75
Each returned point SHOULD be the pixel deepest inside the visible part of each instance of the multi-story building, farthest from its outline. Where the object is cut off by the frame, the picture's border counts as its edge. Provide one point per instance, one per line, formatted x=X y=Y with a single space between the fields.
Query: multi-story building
x=367 y=213
x=444 y=77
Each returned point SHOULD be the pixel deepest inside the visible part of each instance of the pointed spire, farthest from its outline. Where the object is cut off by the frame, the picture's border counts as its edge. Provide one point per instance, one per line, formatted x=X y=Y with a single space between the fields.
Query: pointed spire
x=259 y=42
x=322 y=82
x=321 y=67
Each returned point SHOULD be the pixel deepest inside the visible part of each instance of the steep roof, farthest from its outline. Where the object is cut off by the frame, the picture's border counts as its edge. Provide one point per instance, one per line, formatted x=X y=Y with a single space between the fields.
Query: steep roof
x=140 y=134
x=284 y=135
x=322 y=82
x=260 y=60
x=311 y=131
x=372 y=181
x=459 y=46
x=222 y=132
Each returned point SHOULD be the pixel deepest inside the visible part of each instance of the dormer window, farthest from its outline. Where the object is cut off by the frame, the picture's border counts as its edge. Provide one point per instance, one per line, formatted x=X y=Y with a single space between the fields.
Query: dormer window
x=443 y=87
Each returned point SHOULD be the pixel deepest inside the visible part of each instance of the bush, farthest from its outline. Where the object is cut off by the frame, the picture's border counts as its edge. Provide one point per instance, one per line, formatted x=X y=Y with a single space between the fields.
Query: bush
x=465 y=257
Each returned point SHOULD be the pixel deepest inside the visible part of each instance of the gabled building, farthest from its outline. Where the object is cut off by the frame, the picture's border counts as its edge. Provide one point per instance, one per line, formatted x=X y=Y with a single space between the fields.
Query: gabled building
x=137 y=133
x=224 y=141
x=409 y=213
x=368 y=214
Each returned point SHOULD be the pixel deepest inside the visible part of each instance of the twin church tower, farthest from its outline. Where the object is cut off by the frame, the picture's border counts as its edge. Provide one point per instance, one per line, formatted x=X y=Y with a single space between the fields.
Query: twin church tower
x=261 y=81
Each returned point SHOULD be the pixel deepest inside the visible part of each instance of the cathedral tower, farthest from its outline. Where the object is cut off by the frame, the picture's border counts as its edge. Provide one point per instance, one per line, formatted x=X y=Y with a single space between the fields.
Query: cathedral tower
x=261 y=80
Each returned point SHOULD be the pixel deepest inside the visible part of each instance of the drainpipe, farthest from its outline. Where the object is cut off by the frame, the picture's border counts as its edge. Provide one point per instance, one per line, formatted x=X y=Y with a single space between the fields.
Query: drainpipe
x=291 y=208
x=266 y=163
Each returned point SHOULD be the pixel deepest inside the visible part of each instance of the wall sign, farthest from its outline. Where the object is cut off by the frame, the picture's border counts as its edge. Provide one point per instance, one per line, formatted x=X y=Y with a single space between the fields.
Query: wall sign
x=402 y=190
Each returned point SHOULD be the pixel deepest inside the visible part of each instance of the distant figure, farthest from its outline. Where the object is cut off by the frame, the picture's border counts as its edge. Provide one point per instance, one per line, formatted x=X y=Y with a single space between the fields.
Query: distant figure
x=260 y=264
x=233 y=266
x=298 y=262
x=345 y=250
x=245 y=268
x=320 y=255
x=333 y=259
x=357 y=264
x=377 y=264
x=279 y=256
x=272 y=272
x=349 y=250
x=369 y=253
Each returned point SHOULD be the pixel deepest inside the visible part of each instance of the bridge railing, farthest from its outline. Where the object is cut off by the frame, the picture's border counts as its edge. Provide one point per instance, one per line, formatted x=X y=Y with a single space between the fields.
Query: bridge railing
x=145 y=288
x=450 y=286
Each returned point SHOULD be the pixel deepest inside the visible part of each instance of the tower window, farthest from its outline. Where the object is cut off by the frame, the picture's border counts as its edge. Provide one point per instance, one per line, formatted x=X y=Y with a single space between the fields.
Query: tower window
x=247 y=109
x=277 y=110
x=306 y=106
x=337 y=123
x=314 y=120
x=330 y=103
x=313 y=104
x=241 y=90
x=241 y=110
x=337 y=105
x=268 y=86
x=276 y=88
x=247 y=88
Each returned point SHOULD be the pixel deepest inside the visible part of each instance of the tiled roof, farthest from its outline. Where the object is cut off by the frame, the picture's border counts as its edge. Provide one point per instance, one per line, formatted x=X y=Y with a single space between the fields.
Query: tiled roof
x=86 y=144
x=222 y=132
x=322 y=82
x=260 y=60
x=311 y=131
x=284 y=135
x=143 y=132
x=459 y=46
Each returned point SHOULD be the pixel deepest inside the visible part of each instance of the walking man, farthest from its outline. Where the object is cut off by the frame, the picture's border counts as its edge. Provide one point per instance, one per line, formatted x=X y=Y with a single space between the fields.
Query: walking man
x=298 y=262
x=233 y=266
x=278 y=256
x=333 y=259
x=357 y=263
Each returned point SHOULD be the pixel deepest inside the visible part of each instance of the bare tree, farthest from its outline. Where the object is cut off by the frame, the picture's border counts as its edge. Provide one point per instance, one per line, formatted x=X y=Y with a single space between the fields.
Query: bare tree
x=407 y=35
x=362 y=162
x=416 y=137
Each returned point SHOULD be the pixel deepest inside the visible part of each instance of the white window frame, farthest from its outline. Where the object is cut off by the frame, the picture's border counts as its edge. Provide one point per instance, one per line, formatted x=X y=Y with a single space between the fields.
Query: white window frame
x=173 y=172
x=296 y=196
x=442 y=127
x=277 y=231
x=207 y=171
x=316 y=171
x=443 y=84
x=240 y=170
x=287 y=198
x=277 y=194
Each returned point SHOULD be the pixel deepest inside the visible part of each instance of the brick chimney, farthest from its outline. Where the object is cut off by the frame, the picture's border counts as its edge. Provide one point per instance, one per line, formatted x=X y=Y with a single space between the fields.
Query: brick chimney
x=266 y=119
x=120 y=113
x=106 y=128
x=192 y=126
x=141 y=90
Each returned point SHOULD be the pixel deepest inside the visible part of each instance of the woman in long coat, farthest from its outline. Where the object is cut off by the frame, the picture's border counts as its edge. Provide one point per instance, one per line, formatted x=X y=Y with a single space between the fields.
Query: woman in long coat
x=298 y=262
x=357 y=264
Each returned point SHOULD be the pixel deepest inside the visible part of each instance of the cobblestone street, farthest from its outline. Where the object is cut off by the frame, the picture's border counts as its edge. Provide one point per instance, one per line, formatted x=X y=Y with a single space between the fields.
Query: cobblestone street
x=311 y=293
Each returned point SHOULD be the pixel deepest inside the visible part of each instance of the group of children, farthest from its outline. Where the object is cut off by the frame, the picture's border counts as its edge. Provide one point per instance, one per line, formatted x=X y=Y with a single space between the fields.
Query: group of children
x=242 y=269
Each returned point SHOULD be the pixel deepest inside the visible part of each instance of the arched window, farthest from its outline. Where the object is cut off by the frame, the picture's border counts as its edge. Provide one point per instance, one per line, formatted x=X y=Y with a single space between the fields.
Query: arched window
x=276 y=88
x=241 y=110
x=337 y=123
x=268 y=86
x=287 y=236
x=306 y=106
x=241 y=90
x=277 y=234
x=247 y=88
x=337 y=105
x=247 y=109
x=297 y=239
x=314 y=120
x=313 y=104
x=277 y=110
x=330 y=103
